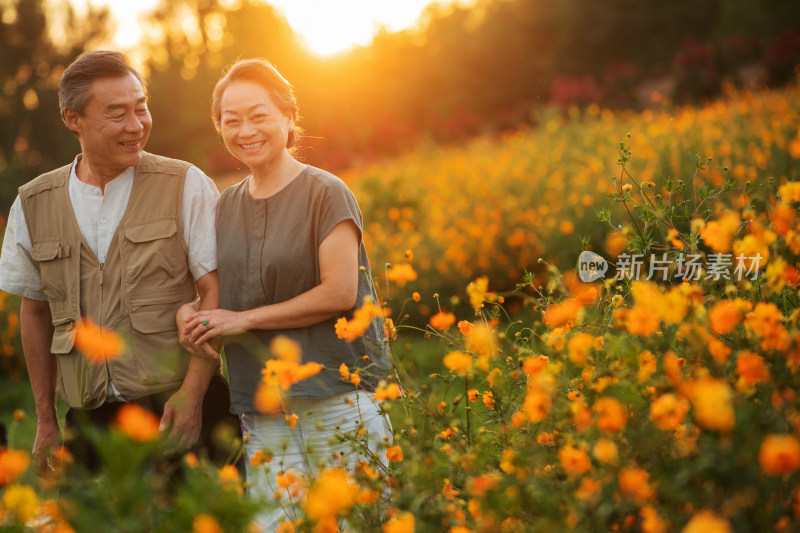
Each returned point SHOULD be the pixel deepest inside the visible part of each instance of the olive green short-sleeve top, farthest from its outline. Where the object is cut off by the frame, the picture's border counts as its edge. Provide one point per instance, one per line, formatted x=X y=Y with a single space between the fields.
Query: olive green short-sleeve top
x=268 y=252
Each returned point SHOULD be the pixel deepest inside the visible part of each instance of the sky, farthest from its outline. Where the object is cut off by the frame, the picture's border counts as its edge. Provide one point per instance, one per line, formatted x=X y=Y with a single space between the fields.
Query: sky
x=327 y=26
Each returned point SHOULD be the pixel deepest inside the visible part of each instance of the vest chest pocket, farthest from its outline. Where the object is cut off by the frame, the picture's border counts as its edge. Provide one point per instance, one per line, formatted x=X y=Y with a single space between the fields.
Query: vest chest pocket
x=52 y=258
x=154 y=254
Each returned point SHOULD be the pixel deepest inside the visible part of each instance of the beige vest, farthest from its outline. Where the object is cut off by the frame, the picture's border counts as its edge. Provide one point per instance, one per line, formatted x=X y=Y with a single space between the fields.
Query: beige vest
x=136 y=292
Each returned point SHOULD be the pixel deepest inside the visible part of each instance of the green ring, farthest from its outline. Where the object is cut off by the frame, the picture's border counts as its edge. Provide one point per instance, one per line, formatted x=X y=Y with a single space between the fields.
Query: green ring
x=205 y=322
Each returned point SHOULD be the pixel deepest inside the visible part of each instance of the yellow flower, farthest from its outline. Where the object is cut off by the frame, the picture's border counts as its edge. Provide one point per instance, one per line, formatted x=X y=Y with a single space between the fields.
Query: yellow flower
x=668 y=411
x=205 y=523
x=229 y=478
x=333 y=493
x=402 y=523
x=707 y=522
x=507 y=461
x=21 y=501
x=137 y=423
x=97 y=344
x=651 y=521
x=458 y=362
x=589 y=490
x=495 y=378
x=790 y=192
x=779 y=455
x=765 y=321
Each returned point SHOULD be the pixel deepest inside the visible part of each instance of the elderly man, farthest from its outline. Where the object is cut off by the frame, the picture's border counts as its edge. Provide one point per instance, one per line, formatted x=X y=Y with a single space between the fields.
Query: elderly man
x=124 y=238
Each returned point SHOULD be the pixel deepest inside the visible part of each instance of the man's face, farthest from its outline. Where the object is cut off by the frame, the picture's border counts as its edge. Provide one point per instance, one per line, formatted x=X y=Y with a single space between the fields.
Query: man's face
x=115 y=125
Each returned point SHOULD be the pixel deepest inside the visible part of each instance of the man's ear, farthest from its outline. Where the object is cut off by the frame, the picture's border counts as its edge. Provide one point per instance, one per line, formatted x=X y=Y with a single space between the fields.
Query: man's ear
x=72 y=120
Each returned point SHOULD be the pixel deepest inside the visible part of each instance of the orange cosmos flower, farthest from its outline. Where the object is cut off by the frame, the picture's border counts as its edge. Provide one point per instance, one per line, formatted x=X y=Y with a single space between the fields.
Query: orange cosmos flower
x=488 y=399
x=578 y=348
x=268 y=399
x=668 y=411
x=718 y=234
x=205 y=523
x=477 y=291
x=790 y=192
x=612 y=414
x=533 y=365
x=718 y=350
x=292 y=420
x=343 y=371
x=464 y=327
x=712 y=400
x=401 y=274
x=562 y=312
x=634 y=484
x=752 y=368
x=394 y=454
x=589 y=490
x=616 y=242
x=261 y=457
x=350 y=330
x=518 y=419
x=641 y=320
x=390 y=392
x=765 y=321
x=416 y=296
x=651 y=521
x=482 y=340
x=472 y=394
x=647 y=366
x=707 y=522
x=606 y=451
x=458 y=362
x=333 y=493
x=137 y=423
x=537 y=405
x=448 y=491
x=97 y=344
x=781 y=217
x=574 y=461
x=443 y=320
x=724 y=316
x=355 y=379
x=779 y=455
x=12 y=464
x=389 y=329
x=402 y=523
x=286 y=349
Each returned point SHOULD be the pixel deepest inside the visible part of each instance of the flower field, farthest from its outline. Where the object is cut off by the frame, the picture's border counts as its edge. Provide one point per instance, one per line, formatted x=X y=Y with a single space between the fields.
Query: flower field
x=659 y=398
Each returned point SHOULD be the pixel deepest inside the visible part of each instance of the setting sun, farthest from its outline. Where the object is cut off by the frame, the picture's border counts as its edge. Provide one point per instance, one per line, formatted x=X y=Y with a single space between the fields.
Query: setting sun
x=325 y=27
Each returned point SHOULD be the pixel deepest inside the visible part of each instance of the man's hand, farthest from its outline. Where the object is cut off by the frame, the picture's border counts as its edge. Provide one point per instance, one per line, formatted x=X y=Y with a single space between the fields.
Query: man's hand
x=184 y=412
x=47 y=440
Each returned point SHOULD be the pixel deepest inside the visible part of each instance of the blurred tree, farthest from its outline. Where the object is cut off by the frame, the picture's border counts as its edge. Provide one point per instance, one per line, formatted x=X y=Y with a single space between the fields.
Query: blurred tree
x=189 y=42
x=33 y=139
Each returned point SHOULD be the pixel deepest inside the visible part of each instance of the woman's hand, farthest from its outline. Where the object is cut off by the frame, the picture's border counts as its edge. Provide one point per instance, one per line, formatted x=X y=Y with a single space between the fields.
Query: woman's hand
x=200 y=349
x=203 y=326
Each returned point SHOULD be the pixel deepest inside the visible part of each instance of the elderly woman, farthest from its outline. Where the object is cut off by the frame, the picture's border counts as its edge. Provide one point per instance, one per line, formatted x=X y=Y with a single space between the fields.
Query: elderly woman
x=291 y=262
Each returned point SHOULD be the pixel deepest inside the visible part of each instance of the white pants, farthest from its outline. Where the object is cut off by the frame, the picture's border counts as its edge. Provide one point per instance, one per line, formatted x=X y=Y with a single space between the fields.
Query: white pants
x=310 y=445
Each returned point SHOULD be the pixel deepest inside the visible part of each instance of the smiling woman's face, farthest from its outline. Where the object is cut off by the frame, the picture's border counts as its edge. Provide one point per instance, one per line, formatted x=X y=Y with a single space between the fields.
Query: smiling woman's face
x=254 y=130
